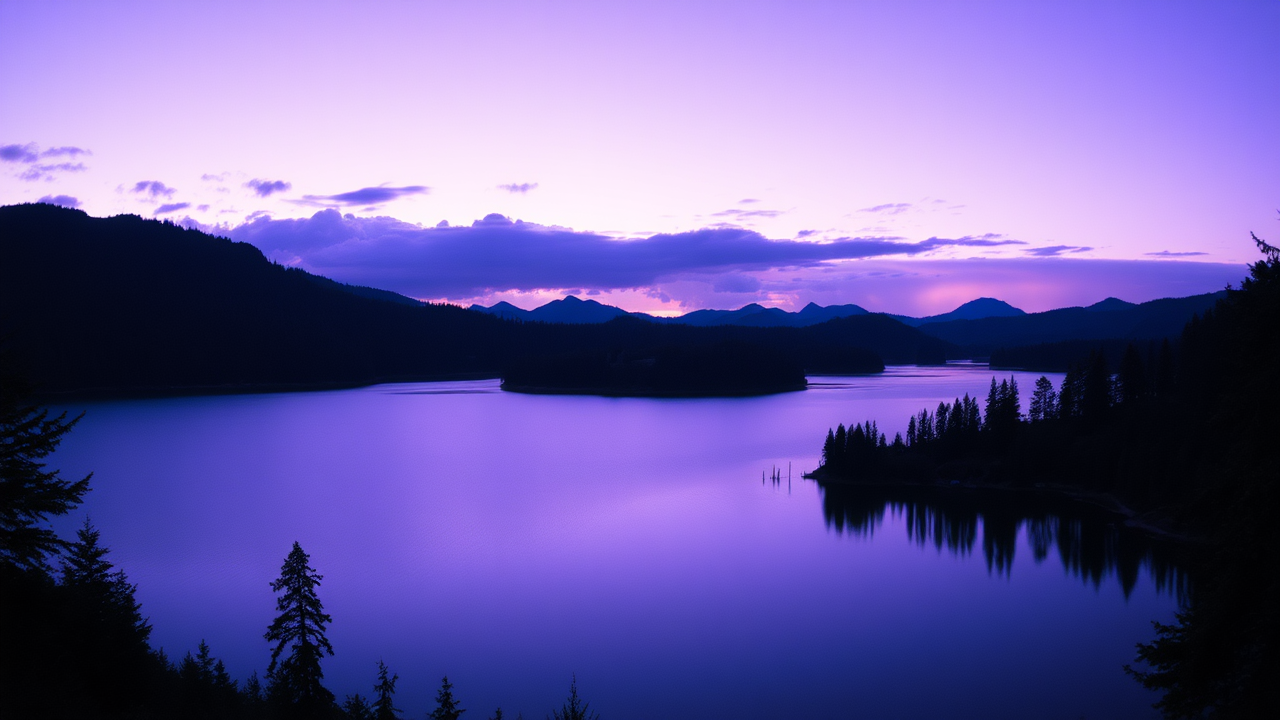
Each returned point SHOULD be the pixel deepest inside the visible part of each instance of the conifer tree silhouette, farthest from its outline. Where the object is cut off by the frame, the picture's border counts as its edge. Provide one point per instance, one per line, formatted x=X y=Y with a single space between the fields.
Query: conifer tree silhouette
x=574 y=708
x=446 y=706
x=294 y=683
x=29 y=494
x=384 y=691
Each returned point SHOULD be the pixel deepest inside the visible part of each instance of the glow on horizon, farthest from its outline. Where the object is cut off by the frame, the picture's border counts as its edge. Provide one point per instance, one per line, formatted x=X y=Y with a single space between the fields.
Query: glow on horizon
x=1108 y=131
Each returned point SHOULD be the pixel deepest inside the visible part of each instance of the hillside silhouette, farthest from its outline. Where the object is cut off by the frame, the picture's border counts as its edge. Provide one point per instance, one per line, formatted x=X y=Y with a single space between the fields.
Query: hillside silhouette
x=126 y=305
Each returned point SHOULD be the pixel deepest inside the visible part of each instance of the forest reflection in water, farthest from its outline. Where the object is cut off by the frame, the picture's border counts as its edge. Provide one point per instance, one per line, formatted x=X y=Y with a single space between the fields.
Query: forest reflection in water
x=1092 y=544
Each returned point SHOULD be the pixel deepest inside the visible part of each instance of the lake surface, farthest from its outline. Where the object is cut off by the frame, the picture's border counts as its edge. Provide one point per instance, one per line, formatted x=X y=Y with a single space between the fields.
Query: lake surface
x=511 y=541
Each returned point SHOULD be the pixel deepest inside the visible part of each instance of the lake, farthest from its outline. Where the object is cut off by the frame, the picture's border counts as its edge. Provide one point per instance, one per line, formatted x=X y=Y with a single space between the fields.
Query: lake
x=511 y=541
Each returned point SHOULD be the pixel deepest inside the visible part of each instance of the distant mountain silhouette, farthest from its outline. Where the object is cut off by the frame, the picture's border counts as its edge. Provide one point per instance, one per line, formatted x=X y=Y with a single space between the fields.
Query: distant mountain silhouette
x=575 y=311
x=1110 y=319
x=570 y=311
x=1111 y=305
x=972 y=310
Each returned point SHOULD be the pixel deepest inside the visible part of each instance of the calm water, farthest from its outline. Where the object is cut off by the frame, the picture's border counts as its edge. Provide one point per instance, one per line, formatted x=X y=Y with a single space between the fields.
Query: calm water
x=511 y=540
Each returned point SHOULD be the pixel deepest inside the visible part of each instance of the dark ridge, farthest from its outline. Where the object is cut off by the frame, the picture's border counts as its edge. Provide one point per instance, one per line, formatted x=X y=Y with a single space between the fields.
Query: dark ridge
x=1154 y=320
x=128 y=306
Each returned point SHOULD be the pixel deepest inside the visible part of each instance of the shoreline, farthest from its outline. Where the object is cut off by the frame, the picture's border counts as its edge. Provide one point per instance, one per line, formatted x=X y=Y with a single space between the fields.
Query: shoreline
x=621 y=393
x=57 y=397
x=1140 y=521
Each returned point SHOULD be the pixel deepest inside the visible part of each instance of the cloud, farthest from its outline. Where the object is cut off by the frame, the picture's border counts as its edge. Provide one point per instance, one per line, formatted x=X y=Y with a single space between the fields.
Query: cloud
x=62 y=200
x=888 y=208
x=65 y=151
x=498 y=254
x=45 y=171
x=984 y=240
x=520 y=188
x=264 y=188
x=20 y=153
x=1056 y=250
x=1169 y=254
x=153 y=188
x=363 y=196
x=736 y=283
x=738 y=213
x=748 y=201
x=214 y=177
x=170 y=207
x=30 y=153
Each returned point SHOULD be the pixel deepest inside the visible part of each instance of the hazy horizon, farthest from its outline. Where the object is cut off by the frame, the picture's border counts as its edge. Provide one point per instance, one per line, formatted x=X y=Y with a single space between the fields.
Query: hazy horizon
x=669 y=157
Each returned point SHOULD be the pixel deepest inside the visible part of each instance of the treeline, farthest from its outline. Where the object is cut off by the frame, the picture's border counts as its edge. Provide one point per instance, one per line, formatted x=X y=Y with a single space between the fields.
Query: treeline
x=1185 y=435
x=1060 y=356
x=75 y=644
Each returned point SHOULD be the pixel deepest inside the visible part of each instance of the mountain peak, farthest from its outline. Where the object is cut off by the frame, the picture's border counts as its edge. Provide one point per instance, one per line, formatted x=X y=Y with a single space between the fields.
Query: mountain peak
x=1109 y=305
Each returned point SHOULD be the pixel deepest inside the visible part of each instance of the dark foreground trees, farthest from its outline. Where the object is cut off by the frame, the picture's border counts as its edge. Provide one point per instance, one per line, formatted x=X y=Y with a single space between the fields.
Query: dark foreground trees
x=30 y=494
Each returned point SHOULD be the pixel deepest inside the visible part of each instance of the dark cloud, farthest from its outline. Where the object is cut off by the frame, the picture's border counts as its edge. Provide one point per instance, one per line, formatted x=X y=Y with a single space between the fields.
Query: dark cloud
x=264 y=188
x=806 y=233
x=153 y=188
x=1056 y=250
x=170 y=207
x=364 y=196
x=20 y=153
x=496 y=253
x=736 y=283
x=520 y=188
x=62 y=200
x=888 y=208
x=1169 y=254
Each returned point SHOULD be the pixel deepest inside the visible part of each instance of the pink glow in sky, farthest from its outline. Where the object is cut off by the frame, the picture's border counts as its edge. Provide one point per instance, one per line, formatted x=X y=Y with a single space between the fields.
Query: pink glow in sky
x=1139 y=134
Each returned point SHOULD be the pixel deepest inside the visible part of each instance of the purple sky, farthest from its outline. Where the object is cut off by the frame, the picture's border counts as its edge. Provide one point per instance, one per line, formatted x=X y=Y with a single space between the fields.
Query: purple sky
x=669 y=156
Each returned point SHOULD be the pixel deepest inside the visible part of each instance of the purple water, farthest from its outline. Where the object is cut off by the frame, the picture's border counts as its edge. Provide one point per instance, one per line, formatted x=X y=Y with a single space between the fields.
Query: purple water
x=510 y=541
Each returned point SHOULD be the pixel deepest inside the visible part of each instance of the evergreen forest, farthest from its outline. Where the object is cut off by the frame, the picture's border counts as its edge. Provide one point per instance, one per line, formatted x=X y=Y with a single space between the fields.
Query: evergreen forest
x=1179 y=438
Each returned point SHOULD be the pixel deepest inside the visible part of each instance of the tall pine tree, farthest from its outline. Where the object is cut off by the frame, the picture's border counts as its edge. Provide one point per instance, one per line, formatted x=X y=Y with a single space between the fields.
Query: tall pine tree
x=294 y=682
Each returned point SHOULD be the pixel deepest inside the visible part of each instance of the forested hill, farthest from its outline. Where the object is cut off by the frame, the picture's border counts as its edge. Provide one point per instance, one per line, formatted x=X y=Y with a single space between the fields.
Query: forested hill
x=125 y=303
x=129 y=305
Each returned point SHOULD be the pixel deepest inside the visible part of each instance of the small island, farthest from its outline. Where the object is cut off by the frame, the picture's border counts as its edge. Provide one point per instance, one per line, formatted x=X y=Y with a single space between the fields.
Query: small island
x=724 y=369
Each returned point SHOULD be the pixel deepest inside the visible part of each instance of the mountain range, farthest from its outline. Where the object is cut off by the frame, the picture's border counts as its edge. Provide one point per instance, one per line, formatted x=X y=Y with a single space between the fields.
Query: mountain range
x=129 y=305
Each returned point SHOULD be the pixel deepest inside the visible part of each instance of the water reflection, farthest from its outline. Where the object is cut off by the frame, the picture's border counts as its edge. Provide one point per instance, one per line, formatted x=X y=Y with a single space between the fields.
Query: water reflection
x=1092 y=544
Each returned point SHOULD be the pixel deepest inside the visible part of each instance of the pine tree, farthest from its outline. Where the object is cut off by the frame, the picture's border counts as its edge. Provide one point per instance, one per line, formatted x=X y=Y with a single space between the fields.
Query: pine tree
x=295 y=682
x=357 y=708
x=107 y=656
x=1043 y=401
x=574 y=708
x=29 y=494
x=384 y=691
x=446 y=706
